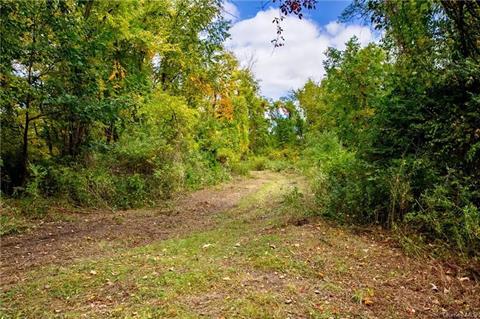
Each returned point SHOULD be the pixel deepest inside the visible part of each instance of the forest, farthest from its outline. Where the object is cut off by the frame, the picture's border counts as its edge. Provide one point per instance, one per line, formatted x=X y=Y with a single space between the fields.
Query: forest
x=130 y=132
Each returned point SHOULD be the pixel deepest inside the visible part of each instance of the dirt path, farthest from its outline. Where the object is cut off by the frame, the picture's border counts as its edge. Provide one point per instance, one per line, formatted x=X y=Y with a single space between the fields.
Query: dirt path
x=246 y=249
x=62 y=242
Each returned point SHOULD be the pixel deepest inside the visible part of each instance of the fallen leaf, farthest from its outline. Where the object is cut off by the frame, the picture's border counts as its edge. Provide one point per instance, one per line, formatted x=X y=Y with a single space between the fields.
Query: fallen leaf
x=318 y=306
x=367 y=301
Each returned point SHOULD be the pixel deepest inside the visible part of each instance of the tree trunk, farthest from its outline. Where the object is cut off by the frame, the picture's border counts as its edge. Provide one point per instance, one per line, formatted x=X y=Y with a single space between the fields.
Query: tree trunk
x=24 y=156
x=28 y=101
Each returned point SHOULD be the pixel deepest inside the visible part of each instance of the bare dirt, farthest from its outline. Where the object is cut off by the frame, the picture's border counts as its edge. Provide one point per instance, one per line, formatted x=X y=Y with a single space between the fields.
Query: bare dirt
x=63 y=242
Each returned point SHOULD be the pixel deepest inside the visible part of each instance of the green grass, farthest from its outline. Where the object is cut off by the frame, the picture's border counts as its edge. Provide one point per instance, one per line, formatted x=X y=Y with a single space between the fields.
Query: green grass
x=257 y=262
x=12 y=224
x=162 y=278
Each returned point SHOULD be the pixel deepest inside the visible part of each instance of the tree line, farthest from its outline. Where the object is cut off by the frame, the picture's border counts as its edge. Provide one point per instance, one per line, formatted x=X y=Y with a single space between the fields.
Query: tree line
x=114 y=102
x=392 y=132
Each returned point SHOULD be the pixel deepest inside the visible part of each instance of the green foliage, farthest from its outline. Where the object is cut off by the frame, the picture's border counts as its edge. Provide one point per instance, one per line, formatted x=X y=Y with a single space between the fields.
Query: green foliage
x=294 y=199
x=343 y=184
x=287 y=124
x=118 y=104
x=259 y=163
x=392 y=130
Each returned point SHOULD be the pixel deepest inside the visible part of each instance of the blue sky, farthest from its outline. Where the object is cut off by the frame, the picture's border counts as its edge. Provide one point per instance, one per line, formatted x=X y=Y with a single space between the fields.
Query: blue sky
x=326 y=11
x=281 y=70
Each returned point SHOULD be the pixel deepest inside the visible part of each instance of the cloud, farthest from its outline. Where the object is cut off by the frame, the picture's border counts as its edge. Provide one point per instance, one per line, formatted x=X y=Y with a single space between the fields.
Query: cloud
x=341 y=33
x=283 y=69
x=230 y=11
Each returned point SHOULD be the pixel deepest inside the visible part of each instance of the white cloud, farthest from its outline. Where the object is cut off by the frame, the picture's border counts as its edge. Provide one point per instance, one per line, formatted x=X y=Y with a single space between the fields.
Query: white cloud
x=230 y=11
x=282 y=69
x=341 y=33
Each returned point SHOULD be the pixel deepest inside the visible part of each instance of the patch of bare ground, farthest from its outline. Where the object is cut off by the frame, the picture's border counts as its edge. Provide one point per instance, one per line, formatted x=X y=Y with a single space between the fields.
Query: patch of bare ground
x=333 y=272
x=415 y=287
x=362 y=276
x=63 y=242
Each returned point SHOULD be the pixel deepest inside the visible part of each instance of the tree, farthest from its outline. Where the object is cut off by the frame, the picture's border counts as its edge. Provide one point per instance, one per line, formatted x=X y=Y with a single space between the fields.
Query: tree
x=407 y=117
x=289 y=7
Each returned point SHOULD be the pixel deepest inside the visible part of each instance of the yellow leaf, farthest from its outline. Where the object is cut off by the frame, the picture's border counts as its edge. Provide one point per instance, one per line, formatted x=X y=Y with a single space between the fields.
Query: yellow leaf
x=367 y=301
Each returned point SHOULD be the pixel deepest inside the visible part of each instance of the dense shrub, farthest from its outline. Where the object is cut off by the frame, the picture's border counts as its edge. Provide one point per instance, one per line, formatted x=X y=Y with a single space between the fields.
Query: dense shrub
x=110 y=184
x=405 y=155
x=407 y=191
x=345 y=186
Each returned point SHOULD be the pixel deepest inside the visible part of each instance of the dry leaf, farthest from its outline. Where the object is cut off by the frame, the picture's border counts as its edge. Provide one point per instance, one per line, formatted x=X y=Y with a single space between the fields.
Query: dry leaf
x=367 y=301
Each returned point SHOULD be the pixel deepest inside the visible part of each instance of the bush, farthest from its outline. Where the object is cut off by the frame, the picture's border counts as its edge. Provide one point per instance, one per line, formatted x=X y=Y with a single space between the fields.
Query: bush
x=258 y=163
x=169 y=179
x=200 y=171
x=438 y=215
x=344 y=186
x=279 y=165
x=407 y=191
x=240 y=168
